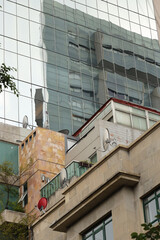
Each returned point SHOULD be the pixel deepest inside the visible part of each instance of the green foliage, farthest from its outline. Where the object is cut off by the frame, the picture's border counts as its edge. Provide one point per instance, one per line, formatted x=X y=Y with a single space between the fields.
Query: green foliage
x=151 y=232
x=17 y=231
x=16 y=207
x=7 y=179
x=12 y=230
x=6 y=80
x=6 y=168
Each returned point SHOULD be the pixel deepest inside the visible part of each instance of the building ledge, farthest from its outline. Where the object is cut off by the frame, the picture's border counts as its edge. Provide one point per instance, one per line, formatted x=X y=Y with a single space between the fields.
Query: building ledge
x=113 y=184
x=11 y=216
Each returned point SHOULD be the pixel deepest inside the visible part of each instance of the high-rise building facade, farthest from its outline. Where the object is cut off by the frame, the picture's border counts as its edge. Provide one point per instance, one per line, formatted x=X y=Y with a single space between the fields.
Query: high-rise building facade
x=72 y=55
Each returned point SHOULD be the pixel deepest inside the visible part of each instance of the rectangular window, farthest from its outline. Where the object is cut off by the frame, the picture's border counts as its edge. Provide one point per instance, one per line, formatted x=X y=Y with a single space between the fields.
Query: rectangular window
x=25 y=194
x=103 y=231
x=151 y=206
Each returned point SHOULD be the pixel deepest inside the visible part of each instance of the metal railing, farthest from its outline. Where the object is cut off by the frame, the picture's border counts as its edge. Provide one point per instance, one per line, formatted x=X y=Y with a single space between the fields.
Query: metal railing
x=74 y=169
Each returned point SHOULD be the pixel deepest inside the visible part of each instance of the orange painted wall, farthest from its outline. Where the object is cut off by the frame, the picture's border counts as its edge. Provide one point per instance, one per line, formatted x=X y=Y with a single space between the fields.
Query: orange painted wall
x=43 y=153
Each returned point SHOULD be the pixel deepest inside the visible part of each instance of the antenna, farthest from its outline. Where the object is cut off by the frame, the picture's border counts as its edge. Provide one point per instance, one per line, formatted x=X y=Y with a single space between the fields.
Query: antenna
x=63 y=177
x=106 y=139
x=25 y=121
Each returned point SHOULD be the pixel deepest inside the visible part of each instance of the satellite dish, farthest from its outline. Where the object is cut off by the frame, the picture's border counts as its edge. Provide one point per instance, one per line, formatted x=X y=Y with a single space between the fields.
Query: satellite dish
x=25 y=121
x=42 y=204
x=63 y=177
x=106 y=139
x=64 y=131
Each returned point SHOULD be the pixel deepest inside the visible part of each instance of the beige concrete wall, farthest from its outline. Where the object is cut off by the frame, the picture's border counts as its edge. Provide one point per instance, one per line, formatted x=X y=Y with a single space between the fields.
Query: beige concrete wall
x=123 y=216
x=13 y=134
x=101 y=191
x=79 y=191
x=42 y=231
x=11 y=216
x=93 y=141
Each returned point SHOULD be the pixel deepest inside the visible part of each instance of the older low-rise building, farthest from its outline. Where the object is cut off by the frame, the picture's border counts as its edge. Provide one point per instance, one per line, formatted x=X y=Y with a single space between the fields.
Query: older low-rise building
x=109 y=184
x=111 y=198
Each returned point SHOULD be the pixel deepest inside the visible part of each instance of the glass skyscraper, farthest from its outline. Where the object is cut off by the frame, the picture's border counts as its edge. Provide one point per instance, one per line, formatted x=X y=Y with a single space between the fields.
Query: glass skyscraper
x=73 y=55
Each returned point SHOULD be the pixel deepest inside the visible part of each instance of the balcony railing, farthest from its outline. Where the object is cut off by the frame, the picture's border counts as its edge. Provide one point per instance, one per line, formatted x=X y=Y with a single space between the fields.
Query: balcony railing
x=74 y=169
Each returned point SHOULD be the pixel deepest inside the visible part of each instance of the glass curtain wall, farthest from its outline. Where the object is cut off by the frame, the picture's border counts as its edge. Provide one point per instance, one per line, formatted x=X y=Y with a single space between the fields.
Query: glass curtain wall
x=71 y=56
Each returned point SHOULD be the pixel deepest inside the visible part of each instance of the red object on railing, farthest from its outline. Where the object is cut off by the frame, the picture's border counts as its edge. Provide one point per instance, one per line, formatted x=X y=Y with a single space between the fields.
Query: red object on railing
x=42 y=204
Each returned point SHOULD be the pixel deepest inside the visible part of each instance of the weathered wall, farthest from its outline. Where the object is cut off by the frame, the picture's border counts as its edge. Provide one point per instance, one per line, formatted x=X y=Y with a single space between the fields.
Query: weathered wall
x=42 y=152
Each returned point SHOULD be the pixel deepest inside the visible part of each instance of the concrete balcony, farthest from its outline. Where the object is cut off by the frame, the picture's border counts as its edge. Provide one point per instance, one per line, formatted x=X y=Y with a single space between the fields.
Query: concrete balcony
x=11 y=216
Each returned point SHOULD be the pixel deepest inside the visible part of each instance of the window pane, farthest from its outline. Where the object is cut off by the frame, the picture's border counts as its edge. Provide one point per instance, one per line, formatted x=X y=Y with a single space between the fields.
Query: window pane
x=1 y=4
x=35 y=16
x=10 y=45
x=142 y=7
x=22 y=11
x=11 y=60
x=10 y=25
x=123 y=118
x=1 y=23
x=151 y=123
x=139 y=123
x=24 y=68
x=9 y=7
x=99 y=235
x=149 y=198
x=138 y=112
x=25 y=109
x=150 y=211
x=25 y=89
x=89 y=238
x=23 y=35
x=11 y=106
x=2 y=105
x=154 y=116
x=24 y=2
x=36 y=52
x=103 y=231
x=36 y=4
x=109 y=231
x=37 y=76
x=35 y=33
x=24 y=49
x=159 y=203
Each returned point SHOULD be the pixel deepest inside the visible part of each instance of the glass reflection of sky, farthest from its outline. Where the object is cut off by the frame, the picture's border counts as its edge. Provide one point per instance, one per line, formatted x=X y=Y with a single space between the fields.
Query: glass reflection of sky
x=120 y=12
x=52 y=45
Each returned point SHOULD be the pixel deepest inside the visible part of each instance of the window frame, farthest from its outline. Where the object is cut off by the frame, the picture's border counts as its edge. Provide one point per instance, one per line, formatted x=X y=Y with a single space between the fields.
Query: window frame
x=97 y=228
x=156 y=202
